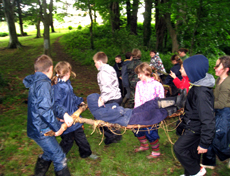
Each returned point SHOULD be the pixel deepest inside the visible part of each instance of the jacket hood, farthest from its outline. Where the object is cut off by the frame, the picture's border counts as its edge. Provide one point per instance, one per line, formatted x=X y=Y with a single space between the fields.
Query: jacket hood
x=196 y=67
x=30 y=79
x=207 y=81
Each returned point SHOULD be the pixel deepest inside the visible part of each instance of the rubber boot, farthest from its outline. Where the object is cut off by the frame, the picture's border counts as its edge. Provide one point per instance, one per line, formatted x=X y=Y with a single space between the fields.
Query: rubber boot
x=63 y=172
x=41 y=166
x=178 y=101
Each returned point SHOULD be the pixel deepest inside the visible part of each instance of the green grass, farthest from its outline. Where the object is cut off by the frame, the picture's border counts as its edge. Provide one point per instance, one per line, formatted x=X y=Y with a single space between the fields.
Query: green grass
x=18 y=153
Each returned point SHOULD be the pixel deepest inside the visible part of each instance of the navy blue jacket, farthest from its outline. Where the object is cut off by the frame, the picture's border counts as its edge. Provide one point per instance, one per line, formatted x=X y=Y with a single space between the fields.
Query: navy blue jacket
x=66 y=101
x=176 y=69
x=40 y=105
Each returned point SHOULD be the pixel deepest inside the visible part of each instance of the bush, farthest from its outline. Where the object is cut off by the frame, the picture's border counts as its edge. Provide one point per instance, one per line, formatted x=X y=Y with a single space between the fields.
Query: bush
x=3 y=34
x=79 y=27
x=70 y=27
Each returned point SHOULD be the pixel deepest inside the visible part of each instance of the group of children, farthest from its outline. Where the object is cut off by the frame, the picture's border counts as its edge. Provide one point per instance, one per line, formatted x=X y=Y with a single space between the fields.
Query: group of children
x=50 y=99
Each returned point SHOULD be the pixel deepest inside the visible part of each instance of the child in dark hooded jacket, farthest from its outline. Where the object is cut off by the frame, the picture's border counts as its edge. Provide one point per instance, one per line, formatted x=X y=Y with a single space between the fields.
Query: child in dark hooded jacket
x=199 y=117
x=67 y=101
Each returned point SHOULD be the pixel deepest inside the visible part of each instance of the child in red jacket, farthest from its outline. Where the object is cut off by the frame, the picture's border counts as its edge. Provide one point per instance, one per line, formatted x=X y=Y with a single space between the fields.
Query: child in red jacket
x=181 y=84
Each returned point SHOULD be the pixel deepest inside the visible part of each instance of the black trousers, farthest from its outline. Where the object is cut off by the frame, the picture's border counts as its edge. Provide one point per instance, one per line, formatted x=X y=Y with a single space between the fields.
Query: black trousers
x=185 y=149
x=209 y=158
x=79 y=137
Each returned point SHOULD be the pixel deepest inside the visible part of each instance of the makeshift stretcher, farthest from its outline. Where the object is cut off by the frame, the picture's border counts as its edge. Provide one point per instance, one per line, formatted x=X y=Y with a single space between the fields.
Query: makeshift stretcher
x=100 y=123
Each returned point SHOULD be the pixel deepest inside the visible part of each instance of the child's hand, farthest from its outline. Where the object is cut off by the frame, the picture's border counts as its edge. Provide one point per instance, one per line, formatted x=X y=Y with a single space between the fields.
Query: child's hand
x=68 y=119
x=172 y=74
x=100 y=102
x=82 y=103
x=59 y=132
x=201 y=150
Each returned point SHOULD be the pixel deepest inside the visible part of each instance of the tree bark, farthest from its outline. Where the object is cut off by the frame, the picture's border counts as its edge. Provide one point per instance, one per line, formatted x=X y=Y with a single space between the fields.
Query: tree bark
x=51 y=16
x=8 y=10
x=91 y=26
x=46 y=23
x=160 y=27
x=172 y=31
x=128 y=7
x=20 y=18
x=38 y=35
x=147 y=22
x=115 y=15
x=133 y=24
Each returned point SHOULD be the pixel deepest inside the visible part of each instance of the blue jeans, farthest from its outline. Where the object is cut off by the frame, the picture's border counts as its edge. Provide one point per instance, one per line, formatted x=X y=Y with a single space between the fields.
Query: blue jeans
x=149 y=133
x=52 y=151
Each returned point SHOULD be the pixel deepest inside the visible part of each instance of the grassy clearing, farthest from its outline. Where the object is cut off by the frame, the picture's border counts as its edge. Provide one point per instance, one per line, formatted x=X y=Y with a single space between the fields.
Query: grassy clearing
x=18 y=153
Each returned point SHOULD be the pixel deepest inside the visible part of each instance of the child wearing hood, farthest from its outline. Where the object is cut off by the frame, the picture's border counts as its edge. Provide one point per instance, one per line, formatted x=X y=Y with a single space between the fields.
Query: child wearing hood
x=199 y=116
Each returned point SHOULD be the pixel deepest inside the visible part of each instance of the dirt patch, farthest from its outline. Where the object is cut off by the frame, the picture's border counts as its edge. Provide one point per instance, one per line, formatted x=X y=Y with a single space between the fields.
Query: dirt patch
x=85 y=82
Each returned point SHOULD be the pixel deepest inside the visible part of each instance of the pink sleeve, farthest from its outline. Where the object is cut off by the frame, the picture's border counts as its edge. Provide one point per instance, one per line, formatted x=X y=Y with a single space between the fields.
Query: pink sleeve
x=137 y=99
x=161 y=91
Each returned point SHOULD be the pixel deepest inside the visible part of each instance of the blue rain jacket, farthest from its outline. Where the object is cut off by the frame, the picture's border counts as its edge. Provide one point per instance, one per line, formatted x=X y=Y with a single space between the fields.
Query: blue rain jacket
x=66 y=101
x=40 y=105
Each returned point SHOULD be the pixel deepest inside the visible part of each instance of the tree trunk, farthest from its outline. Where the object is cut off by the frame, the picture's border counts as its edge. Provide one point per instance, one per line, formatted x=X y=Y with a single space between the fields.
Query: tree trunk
x=147 y=22
x=133 y=24
x=46 y=23
x=161 y=29
x=9 y=14
x=172 y=33
x=38 y=35
x=51 y=16
x=95 y=15
x=20 y=18
x=91 y=26
x=115 y=15
x=128 y=7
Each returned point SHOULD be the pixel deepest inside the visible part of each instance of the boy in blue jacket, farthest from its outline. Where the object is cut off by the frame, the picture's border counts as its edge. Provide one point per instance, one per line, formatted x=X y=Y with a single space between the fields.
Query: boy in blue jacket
x=41 y=118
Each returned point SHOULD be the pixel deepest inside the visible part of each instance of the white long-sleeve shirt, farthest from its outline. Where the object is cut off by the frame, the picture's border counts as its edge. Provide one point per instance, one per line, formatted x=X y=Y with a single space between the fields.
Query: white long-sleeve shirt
x=108 y=83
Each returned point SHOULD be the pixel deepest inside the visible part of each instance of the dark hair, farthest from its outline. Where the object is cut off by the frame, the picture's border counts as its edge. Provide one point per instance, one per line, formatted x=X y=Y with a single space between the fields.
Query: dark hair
x=136 y=53
x=225 y=61
x=144 y=68
x=183 y=50
x=61 y=69
x=100 y=56
x=177 y=59
x=43 y=63
x=128 y=55
x=153 y=51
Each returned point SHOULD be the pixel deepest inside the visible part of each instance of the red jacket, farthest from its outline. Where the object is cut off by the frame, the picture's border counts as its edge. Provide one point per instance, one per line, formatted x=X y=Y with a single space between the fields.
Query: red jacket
x=182 y=84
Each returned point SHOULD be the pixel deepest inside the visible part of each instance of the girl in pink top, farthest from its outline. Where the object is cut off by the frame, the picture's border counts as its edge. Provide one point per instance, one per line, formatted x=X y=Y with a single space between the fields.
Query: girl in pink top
x=147 y=89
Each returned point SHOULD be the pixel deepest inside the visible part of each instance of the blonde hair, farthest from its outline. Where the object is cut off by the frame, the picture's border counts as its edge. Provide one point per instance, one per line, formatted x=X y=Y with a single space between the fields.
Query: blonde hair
x=100 y=56
x=144 y=68
x=43 y=63
x=136 y=53
x=61 y=69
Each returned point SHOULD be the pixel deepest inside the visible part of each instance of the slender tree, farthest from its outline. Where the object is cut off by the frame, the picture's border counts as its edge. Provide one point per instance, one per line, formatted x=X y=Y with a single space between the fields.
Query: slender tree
x=160 y=27
x=8 y=6
x=91 y=25
x=133 y=22
x=147 y=22
x=20 y=16
x=114 y=15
